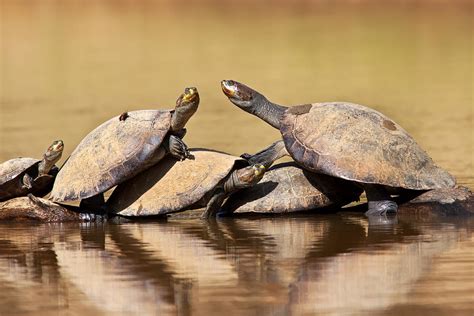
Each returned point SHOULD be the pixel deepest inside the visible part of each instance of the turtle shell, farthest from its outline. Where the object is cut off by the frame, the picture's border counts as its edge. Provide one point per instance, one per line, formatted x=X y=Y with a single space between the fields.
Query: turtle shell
x=172 y=186
x=112 y=153
x=11 y=175
x=356 y=143
x=287 y=188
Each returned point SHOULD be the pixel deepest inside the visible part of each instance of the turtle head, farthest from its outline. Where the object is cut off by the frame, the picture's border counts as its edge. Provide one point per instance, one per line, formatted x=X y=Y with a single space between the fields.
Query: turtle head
x=186 y=105
x=253 y=102
x=251 y=175
x=55 y=151
x=189 y=98
x=241 y=95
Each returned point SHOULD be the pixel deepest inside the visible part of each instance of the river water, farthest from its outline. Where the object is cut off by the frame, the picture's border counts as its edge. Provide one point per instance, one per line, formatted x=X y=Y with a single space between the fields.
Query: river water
x=68 y=66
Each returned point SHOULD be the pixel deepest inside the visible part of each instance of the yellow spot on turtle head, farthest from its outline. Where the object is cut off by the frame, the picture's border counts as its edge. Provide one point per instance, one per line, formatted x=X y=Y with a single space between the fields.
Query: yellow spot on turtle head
x=258 y=169
x=189 y=93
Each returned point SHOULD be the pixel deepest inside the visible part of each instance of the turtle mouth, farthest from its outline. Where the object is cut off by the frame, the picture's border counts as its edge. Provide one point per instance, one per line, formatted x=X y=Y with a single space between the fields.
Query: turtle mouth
x=236 y=91
x=57 y=145
x=190 y=94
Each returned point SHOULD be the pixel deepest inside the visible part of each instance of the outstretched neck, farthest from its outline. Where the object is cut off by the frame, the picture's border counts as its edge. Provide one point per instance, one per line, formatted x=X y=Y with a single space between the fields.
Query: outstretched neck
x=179 y=120
x=180 y=117
x=49 y=159
x=269 y=112
x=45 y=166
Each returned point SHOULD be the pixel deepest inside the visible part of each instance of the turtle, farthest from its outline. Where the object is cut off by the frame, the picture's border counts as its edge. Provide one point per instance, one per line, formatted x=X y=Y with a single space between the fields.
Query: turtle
x=122 y=147
x=204 y=181
x=348 y=141
x=20 y=176
x=287 y=188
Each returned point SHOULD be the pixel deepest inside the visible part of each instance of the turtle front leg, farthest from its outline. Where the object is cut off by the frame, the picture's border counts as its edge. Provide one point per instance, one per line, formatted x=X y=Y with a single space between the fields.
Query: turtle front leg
x=177 y=148
x=237 y=180
x=214 y=204
x=267 y=156
x=95 y=203
x=27 y=182
x=380 y=202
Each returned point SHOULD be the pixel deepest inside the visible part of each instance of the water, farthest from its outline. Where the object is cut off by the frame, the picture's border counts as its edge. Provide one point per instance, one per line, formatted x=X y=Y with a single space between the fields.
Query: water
x=336 y=264
x=68 y=66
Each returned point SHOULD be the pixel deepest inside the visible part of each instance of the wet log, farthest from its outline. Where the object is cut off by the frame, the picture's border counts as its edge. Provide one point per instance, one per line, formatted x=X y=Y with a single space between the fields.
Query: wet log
x=31 y=208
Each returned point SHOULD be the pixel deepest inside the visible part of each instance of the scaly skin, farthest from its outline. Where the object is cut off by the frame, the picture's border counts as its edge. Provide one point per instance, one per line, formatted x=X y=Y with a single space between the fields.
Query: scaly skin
x=186 y=105
x=237 y=180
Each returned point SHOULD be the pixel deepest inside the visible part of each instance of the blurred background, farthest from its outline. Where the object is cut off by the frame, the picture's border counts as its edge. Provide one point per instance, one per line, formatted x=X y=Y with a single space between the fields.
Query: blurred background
x=67 y=66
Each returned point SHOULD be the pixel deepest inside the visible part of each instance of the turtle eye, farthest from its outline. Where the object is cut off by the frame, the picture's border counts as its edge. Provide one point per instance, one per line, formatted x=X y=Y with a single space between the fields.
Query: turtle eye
x=237 y=92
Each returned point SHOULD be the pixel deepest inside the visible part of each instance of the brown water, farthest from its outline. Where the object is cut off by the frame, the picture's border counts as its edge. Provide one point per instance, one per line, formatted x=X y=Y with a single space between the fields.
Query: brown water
x=335 y=264
x=67 y=66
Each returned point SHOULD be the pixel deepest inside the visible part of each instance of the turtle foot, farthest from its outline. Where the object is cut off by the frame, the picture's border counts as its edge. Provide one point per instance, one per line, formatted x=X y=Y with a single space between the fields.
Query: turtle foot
x=380 y=208
x=255 y=159
x=27 y=182
x=91 y=217
x=178 y=149
x=268 y=155
x=246 y=156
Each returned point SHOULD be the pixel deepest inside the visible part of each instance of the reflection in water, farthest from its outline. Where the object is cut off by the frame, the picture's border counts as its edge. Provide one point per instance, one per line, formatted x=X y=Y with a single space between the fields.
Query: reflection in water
x=378 y=281
x=299 y=266
x=30 y=277
x=99 y=271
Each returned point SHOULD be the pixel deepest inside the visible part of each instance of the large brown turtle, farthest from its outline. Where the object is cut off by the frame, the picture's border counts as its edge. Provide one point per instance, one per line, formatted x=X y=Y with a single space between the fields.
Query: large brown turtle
x=20 y=176
x=122 y=147
x=204 y=181
x=348 y=141
x=287 y=188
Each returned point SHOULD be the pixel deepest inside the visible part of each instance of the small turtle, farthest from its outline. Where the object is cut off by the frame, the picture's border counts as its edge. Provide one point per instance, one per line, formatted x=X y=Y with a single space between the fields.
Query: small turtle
x=20 y=176
x=348 y=141
x=287 y=188
x=119 y=149
x=174 y=186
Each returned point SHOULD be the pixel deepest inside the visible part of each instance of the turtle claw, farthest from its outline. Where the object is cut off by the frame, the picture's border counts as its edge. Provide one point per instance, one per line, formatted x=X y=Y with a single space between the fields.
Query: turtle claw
x=381 y=208
x=252 y=159
x=189 y=155
x=246 y=156
x=86 y=217
x=178 y=149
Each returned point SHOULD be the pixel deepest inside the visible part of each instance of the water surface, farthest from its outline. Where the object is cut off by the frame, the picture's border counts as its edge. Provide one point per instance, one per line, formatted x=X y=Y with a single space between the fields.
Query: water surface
x=336 y=264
